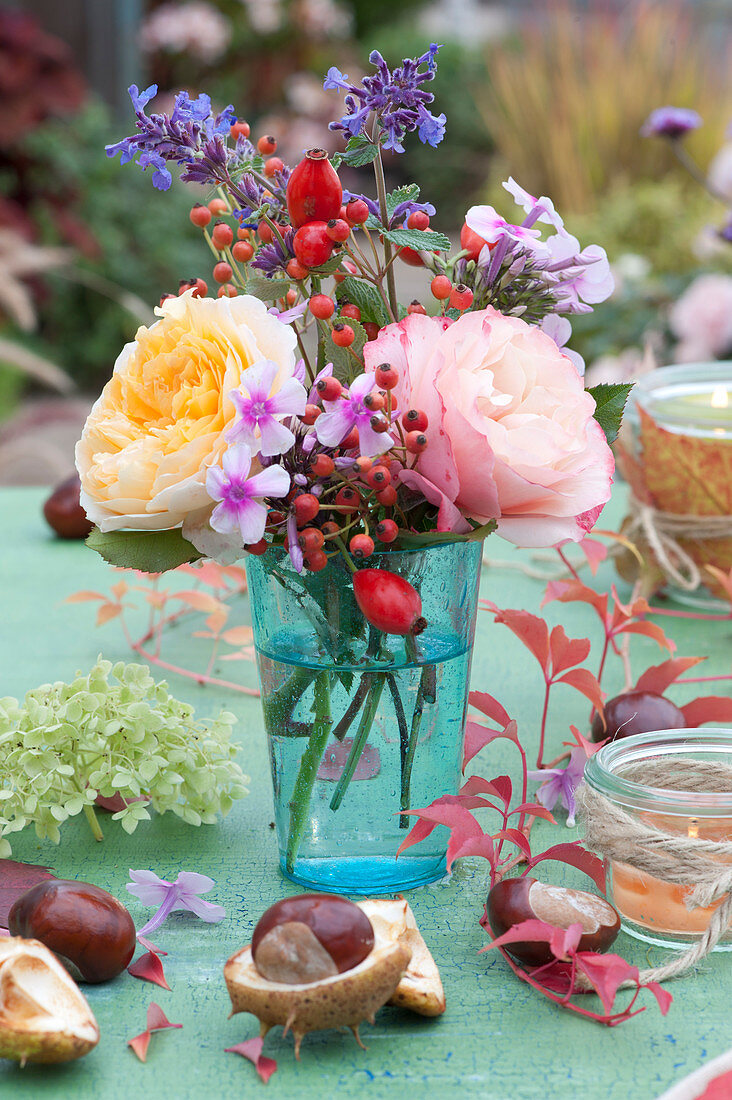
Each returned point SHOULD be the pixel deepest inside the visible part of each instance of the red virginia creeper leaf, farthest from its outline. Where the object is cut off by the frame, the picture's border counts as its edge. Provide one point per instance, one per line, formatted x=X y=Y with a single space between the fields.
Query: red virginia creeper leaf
x=516 y=837
x=150 y=969
x=477 y=737
x=590 y=747
x=650 y=630
x=527 y=931
x=710 y=708
x=419 y=832
x=489 y=706
x=659 y=677
x=531 y=630
x=663 y=997
x=605 y=973
x=594 y=551
x=534 y=809
x=472 y=846
x=252 y=1050
x=566 y=652
x=576 y=856
x=584 y=681
x=15 y=879
x=576 y=591
x=503 y=787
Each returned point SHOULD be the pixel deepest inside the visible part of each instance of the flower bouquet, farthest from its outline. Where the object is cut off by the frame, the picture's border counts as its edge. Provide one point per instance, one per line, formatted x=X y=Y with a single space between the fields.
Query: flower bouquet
x=355 y=449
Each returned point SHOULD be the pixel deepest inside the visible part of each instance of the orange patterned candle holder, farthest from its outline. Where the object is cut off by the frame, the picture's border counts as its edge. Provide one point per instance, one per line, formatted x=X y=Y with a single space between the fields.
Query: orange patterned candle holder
x=675 y=451
x=658 y=807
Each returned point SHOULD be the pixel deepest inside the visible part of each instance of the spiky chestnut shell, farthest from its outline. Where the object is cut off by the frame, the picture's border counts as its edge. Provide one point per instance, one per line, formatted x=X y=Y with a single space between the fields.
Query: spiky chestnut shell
x=344 y=1000
x=43 y=1015
x=420 y=989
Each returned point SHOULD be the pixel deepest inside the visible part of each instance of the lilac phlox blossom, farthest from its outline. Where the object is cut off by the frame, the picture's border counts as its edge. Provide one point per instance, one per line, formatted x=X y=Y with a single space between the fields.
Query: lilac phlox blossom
x=560 y=330
x=488 y=224
x=272 y=258
x=293 y=546
x=260 y=410
x=671 y=122
x=241 y=506
x=585 y=273
x=348 y=412
x=184 y=893
x=287 y=317
x=530 y=204
x=395 y=96
x=190 y=136
x=560 y=784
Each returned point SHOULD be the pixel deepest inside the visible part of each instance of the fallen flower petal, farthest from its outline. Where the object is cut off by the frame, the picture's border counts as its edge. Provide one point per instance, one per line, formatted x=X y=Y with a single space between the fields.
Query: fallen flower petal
x=140 y=1044
x=252 y=1050
x=150 y=969
x=169 y=896
x=156 y=1018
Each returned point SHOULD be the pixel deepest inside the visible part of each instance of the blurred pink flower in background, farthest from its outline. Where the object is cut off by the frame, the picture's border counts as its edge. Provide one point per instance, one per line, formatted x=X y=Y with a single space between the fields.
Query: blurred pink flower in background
x=626 y=366
x=265 y=16
x=701 y=319
x=323 y=19
x=511 y=433
x=195 y=27
x=720 y=171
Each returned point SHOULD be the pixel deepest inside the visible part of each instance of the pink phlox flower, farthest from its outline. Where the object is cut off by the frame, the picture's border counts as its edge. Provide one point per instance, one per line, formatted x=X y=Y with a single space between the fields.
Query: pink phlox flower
x=585 y=273
x=184 y=893
x=349 y=412
x=259 y=410
x=293 y=546
x=560 y=330
x=488 y=224
x=241 y=506
x=560 y=784
x=289 y=315
x=326 y=372
x=529 y=203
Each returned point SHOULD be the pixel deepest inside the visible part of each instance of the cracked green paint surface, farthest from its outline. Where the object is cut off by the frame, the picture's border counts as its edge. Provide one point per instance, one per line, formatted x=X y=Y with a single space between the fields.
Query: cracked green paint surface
x=498 y=1039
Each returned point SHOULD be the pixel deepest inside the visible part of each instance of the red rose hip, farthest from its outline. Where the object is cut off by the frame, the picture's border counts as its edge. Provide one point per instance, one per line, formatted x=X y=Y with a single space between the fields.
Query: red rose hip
x=388 y=601
x=314 y=192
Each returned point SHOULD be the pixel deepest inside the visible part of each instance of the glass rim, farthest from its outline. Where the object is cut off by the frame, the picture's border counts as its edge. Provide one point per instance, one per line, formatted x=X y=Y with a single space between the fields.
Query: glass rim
x=701 y=371
x=602 y=768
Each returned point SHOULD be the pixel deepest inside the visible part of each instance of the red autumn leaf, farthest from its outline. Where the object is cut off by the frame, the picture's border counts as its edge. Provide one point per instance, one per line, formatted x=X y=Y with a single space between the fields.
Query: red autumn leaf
x=477 y=737
x=477 y=785
x=531 y=630
x=150 y=969
x=719 y=1088
x=252 y=1050
x=605 y=973
x=489 y=706
x=563 y=943
x=534 y=809
x=566 y=652
x=419 y=832
x=107 y=612
x=590 y=747
x=576 y=591
x=140 y=1044
x=503 y=787
x=471 y=846
x=15 y=879
x=576 y=856
x=595 y=553
x=585 y=682
x=650 y=630
x=83 y=597
x=662 y=995
x=516 y=837
x=199 y=601
x=659 y=677
x=710 y=708
x=529 y=931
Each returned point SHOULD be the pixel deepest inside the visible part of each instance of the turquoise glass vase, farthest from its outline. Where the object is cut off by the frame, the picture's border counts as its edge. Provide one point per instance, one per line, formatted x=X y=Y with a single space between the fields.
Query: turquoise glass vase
x=362 y=725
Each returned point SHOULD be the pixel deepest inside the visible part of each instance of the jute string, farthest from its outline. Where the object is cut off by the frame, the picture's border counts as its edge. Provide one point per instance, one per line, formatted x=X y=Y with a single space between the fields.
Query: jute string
x=688 y=861
x=662 y=531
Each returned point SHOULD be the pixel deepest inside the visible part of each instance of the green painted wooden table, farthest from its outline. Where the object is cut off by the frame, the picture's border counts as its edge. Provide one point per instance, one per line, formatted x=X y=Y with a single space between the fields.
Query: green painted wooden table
x=498 y=1040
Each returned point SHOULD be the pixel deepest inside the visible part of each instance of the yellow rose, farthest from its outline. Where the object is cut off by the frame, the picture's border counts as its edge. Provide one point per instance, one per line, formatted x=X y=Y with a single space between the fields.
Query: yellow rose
x=161 y=419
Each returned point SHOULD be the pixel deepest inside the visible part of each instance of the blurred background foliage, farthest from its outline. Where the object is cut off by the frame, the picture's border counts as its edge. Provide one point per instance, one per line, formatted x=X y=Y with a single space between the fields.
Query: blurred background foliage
x=553 y=94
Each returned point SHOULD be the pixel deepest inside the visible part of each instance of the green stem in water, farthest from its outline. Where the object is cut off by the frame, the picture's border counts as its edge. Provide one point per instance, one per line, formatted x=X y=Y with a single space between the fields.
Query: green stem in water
x=279 y=705
x=354 y=707
x=94 y=825
x=309 y=763
x=423 y=693
x=359 y=741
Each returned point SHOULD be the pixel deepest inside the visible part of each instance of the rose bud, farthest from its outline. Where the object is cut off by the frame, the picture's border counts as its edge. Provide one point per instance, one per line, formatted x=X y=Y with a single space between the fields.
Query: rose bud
x=91 y=932
x=513 y=900
x=310 y=937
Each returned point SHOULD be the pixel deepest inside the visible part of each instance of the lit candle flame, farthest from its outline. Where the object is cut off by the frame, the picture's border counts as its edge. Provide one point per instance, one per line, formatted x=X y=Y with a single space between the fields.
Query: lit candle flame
x=720 y=398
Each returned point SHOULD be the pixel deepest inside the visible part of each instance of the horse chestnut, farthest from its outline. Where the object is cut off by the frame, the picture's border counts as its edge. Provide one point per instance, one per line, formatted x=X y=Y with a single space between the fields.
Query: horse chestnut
x=64 y=513
x=310 y=937
x=91 y=932
x=637 y=712
x=513 y=900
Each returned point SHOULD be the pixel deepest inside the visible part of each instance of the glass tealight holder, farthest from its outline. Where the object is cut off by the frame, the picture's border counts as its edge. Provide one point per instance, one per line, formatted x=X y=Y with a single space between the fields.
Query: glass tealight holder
x=675 y=451
x=650 y=908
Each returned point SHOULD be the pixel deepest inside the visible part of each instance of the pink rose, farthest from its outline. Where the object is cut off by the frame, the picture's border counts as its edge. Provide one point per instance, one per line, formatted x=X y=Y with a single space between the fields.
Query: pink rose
x=511 y=433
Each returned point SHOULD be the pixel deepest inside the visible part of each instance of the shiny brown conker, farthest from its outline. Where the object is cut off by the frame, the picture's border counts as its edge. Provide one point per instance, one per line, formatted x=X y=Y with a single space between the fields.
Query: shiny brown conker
x=636 y=712
x=310 y=937
x=513 y=900
x=91 y=932
x=64 y=513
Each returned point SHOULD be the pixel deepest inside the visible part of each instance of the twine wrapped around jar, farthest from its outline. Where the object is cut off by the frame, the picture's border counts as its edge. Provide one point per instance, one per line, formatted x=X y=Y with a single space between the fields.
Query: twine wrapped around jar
x=705 y=865
x=663 y=532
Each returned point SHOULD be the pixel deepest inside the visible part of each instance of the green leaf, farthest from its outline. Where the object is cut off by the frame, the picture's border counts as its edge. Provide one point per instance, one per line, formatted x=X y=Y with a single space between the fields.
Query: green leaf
x=418 y=239
x=148 y=551
x=359 y=151
x=267 y=289
x=329 y=266
x=412 y=540
x=366 y=297
x=345 y=367
x=610 y=399
x=408 y=193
